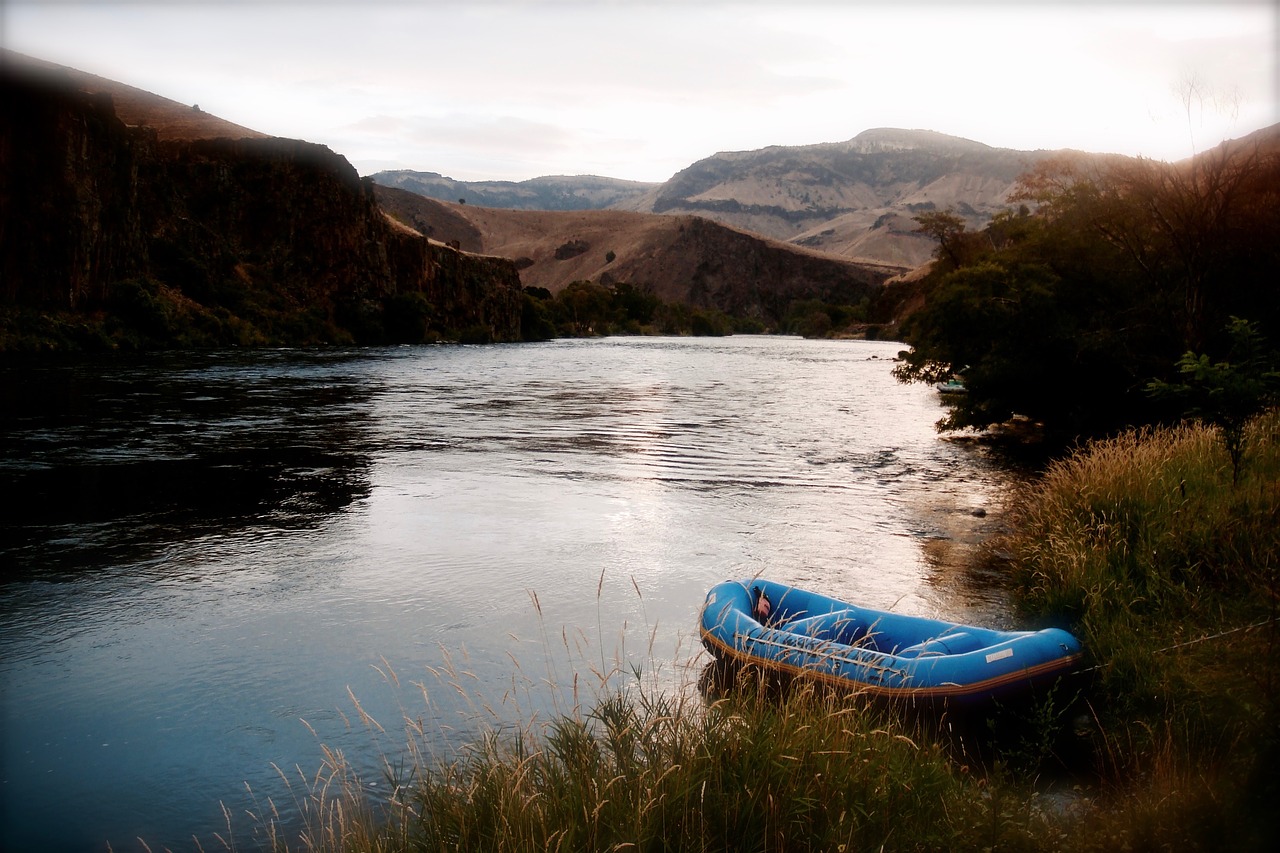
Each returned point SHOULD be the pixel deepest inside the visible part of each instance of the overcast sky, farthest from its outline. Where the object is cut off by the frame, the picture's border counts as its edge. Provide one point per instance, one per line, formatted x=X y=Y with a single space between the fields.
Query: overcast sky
x=516 y=89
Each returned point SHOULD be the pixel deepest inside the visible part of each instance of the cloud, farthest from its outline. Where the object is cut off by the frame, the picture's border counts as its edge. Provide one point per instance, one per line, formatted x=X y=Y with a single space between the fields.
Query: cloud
x=518 y=89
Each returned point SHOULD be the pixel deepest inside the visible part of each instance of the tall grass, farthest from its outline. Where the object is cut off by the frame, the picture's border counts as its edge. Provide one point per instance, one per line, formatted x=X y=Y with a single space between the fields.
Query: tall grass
x=1151 y=521
x=1142 y=544
x=748 y=772
x=1170 y=573
x=752 y=771
x=633 y=764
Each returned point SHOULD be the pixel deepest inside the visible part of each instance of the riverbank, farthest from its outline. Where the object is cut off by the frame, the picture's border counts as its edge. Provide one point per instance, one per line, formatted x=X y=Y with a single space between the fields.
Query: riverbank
x=1168 y=573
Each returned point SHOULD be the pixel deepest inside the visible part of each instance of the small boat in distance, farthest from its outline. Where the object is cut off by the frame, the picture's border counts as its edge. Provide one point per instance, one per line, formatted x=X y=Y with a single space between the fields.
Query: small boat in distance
x=807 y=635
x=951 y=386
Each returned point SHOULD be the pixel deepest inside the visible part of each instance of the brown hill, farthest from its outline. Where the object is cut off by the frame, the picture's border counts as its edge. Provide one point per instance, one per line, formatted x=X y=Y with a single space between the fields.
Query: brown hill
x=432 y=219
x=130 y=221
x=136 y=107
x=685 y=259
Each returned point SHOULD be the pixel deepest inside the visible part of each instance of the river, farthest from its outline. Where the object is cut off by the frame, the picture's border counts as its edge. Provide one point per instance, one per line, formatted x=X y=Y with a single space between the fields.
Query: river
x=210 y=558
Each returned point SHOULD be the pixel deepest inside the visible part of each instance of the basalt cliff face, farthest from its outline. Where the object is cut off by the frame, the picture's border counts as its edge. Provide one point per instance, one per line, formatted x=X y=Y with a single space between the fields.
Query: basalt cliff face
x=119 y=234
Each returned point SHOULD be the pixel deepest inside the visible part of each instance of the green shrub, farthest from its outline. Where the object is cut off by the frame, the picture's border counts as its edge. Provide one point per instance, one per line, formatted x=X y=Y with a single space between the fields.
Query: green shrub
x=1169 y=574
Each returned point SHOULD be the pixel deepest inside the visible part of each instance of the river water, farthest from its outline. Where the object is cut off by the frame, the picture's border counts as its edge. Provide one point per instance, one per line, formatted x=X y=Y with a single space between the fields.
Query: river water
x=210 y=558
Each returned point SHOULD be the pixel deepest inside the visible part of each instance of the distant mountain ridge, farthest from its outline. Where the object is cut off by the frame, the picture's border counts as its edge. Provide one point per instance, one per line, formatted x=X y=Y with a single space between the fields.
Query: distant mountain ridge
x=850 y=204
x=554 y=192
x=853 y=199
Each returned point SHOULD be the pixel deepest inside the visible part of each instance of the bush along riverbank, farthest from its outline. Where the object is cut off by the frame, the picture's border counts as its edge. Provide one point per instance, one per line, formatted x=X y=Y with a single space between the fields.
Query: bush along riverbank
x=1166 y=569
x=1170 y=573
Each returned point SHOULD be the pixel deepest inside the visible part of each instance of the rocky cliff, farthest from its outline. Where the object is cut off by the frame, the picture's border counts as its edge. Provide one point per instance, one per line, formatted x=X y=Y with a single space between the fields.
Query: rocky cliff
x=121 y=234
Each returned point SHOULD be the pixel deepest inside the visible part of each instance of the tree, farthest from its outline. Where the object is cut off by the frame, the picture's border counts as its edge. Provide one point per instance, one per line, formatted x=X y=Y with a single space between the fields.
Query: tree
x=947 y=229
x=1067 y=313
x=1002 y=325
x=1227 y=394
x=1198 y=233
x=588 y=308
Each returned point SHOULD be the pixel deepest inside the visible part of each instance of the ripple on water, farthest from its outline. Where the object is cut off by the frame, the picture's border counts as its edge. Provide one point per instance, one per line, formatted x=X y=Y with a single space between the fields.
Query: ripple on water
x=289 y=526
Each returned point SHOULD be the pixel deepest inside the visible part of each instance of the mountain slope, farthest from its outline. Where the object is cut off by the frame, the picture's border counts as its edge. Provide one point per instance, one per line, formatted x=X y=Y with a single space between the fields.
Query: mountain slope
x=835 y=197
x=556 y=192
x=135 y=107
x=683 y=259
x=129 y=220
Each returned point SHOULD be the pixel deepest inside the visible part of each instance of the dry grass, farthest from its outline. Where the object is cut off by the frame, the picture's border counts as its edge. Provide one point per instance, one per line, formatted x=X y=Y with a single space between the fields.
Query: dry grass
x=1171 y=575
x=1143 y=539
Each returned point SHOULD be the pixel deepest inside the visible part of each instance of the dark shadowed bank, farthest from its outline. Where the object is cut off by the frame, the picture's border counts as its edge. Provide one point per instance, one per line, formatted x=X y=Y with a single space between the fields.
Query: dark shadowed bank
x=118 y=238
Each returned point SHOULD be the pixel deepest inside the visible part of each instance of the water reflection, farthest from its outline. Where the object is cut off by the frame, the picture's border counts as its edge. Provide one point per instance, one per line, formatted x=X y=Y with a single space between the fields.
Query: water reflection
x=216 y=547
x=113 y=460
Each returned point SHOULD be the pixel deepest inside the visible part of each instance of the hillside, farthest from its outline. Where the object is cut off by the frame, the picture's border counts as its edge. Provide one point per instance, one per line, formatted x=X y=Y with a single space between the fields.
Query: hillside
x=556 y=192
x=852 y=199
x=684 y=259
x=130 y=220
x=135 y=107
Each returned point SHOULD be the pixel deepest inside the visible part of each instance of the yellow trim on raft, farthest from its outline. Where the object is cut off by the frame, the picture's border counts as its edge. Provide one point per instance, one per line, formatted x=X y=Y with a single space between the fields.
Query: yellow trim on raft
x=939 y=692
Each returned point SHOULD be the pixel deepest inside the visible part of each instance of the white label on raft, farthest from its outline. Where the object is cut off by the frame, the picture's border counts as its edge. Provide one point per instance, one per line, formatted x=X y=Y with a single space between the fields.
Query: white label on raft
x=711 y=599
x=1000 y=655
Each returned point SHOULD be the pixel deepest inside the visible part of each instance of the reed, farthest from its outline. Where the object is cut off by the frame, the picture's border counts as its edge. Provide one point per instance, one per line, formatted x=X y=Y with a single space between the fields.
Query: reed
x=639 y=766
x=1142 y=544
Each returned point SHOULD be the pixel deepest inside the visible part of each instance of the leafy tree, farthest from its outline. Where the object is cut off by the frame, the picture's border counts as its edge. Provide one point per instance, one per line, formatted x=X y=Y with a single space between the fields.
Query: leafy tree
x=673 y=318
x=536 y=322
x=710 y=324
x=635 y=305
x=1002 y=326
x=956 y=245
x=1197 y=233
x=814 y=318
x=946 y=228
x=1066 y=314
x=408 y=318
x=1227 y=394
x=587 y=308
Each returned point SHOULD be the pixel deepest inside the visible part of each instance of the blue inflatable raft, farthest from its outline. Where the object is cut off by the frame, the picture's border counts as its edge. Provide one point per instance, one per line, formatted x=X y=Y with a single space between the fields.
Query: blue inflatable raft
x=803 y=634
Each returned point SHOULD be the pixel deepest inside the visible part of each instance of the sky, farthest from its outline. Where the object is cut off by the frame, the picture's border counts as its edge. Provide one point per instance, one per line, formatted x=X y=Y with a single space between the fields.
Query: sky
x=515 y=89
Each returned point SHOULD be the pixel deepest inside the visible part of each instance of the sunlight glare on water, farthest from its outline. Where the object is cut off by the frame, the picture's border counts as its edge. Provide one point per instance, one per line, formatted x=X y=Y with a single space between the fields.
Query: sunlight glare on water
x=215 y=547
